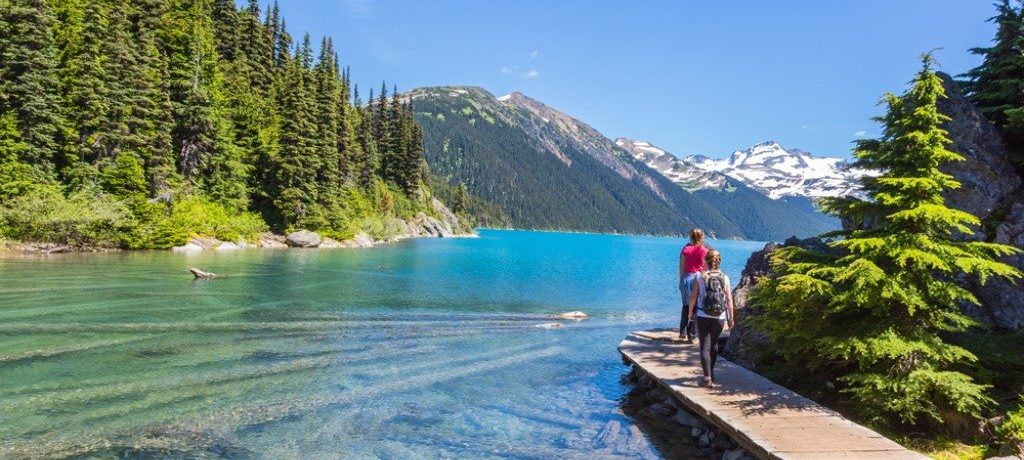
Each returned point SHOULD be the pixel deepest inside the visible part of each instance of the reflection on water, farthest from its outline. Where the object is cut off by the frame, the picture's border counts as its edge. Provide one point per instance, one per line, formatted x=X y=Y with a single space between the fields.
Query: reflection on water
x=424 y=348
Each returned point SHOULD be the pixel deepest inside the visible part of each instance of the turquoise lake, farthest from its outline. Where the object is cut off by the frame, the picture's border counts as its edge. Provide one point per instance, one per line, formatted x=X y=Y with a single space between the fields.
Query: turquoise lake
x=428 y=348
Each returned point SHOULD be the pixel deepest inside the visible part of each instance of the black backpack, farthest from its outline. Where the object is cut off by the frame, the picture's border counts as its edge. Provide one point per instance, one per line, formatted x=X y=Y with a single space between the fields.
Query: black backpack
x=714 y=293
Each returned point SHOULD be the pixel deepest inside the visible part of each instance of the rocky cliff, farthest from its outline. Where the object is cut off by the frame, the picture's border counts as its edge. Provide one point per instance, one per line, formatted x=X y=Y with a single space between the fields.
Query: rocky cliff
x=992 y=190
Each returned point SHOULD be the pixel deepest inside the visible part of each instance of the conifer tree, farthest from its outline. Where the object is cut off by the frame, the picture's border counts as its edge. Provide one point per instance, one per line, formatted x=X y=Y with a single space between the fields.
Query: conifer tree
x=84 y=83
x=28 y=84
x=997 y=85
x=328 y=106
x=871 y=311
x=226 y=23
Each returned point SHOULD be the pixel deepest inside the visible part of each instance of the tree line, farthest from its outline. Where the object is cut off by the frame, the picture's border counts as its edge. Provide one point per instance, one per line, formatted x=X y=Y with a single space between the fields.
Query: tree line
x=144 y=104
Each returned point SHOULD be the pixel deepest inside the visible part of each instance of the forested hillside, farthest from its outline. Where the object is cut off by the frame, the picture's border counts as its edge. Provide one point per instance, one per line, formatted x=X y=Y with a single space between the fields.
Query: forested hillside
x=139 y=123
x=543 y=176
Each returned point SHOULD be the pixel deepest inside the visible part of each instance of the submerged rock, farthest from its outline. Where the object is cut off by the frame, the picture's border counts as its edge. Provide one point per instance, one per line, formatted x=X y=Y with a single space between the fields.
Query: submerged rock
x=303 y=239
x=551 y=325
x=571 y=315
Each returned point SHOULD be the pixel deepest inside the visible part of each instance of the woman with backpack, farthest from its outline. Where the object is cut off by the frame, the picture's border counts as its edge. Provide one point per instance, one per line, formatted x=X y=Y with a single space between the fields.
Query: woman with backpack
x=710 y=306
x=691 y=263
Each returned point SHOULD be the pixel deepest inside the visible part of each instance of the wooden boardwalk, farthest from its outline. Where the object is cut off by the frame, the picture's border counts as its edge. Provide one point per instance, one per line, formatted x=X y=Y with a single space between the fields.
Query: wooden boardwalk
x=768 y=420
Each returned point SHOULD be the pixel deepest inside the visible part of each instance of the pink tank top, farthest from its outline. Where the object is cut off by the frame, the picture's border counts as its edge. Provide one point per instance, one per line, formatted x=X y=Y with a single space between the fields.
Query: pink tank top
x=693 y=258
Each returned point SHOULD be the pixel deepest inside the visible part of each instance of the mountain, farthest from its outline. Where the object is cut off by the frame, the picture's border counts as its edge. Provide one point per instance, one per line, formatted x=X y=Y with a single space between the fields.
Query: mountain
x=547 y=170
x=778 y=172
x=754 y=211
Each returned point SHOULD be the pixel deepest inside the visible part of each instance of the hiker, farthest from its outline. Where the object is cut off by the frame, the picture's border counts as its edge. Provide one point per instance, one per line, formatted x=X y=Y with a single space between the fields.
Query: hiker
x=691 y=263
x=710 y=306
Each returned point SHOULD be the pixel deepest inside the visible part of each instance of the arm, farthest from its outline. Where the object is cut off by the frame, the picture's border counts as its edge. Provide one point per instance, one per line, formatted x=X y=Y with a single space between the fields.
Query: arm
x=694 y=294
x=732 y=311
x=682 y=263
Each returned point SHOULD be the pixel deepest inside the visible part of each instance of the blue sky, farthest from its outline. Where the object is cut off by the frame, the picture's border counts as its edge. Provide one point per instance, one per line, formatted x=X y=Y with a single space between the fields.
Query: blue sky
x=690 y=76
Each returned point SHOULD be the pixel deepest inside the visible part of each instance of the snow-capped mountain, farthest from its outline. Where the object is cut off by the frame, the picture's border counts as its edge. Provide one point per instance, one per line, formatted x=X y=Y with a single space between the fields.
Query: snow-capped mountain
x=679 y=171
x=766 y=167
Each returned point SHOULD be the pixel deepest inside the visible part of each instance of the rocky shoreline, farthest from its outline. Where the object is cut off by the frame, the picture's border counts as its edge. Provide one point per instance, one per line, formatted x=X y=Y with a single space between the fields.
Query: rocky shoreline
x=421 y=225
x=677 y=432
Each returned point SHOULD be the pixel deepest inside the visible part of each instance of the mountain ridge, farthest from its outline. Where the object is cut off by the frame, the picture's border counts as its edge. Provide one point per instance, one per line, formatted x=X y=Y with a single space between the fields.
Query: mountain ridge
x=548 y=170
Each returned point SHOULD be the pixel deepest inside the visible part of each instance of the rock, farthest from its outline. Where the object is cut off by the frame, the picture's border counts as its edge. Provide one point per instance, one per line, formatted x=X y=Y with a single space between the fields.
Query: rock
x=44 y=248
x=227 y=246
x=429 y=226
x=201 y=274
x=704 y=440
x=187 y=247
x=685 y=418
x=303 y=239
x=660 y=410
x=743 y=341
x=447 y=216
x=271 y=241
x=986 y=175
x=721 y=443
x=551 y=325
x=696 y=432
x=205 y=242
x=330 y=243
x=571 y=315
x=734 y=454
x=361 y=240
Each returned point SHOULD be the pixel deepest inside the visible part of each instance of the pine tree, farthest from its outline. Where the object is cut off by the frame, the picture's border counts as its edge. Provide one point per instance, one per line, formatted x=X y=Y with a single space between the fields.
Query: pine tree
x=997 y=85
x=150 y=122
x=226 y=24
x=84 y=84
x=328 y=106
x=871 y=311
x=28 y=83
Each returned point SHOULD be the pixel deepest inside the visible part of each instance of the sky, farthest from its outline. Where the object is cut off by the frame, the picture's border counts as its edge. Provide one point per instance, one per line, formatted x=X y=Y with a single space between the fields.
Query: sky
x=693 y=77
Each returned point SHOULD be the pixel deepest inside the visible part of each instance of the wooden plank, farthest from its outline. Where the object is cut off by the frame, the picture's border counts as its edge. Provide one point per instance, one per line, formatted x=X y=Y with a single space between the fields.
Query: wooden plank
x=765 y=418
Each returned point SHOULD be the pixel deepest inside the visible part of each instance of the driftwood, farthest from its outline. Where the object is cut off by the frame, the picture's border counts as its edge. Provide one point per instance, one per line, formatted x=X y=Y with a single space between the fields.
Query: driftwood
x=199 y=274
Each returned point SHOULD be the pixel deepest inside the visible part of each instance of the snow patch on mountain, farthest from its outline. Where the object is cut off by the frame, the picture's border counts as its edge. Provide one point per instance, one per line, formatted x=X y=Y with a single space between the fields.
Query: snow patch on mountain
x=766 y=167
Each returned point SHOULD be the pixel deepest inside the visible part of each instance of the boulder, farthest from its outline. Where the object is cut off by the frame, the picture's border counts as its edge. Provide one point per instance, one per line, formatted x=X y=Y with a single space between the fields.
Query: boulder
x=986 y=175
x=330 y=243
x=205 y=242
x=201 y=274
x=187 y=247
x=303 y=239
x=361 y=240
x=271 y=241
x=227 y=246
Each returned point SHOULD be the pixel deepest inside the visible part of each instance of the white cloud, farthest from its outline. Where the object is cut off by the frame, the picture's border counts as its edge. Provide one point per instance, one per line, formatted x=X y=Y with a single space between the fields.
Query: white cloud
x=805 y=127
x=533 y=73
x=506 y=70
x=533 y=54
x=860 y=133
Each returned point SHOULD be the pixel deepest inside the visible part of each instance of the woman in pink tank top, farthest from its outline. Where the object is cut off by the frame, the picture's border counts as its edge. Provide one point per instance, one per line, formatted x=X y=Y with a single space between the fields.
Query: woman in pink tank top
x=691 y=262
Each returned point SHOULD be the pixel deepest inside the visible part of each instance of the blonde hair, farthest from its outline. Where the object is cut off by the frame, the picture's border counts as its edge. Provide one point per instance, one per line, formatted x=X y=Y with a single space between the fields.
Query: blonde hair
x=713 y=259
x=697 y=236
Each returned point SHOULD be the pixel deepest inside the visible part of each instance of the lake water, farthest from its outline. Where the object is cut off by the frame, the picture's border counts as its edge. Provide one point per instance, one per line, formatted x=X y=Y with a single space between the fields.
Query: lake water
x=425 y=348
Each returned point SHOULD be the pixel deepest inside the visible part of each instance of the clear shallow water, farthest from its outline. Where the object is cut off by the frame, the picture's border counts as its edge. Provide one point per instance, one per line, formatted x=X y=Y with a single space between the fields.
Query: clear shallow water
x=426 y=348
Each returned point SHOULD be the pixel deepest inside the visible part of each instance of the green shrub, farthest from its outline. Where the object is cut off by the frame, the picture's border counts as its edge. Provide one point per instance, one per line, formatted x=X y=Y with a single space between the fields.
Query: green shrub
x=1012 y=430
x=196 y=215
x=81 y=219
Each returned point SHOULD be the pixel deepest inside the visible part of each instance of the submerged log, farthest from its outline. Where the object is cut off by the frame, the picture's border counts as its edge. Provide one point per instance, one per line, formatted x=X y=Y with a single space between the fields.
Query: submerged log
x=201 y=274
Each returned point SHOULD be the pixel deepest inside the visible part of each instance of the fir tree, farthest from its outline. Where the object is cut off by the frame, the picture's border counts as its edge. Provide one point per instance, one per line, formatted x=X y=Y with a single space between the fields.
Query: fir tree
x=28 y=84
x=997 y=85
x=872 y=309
